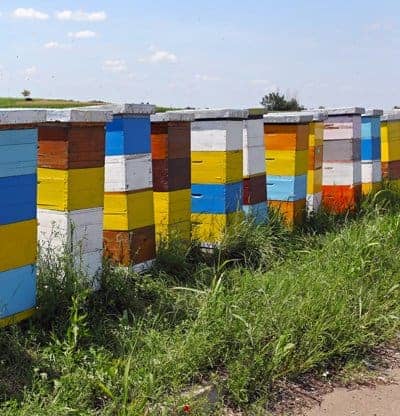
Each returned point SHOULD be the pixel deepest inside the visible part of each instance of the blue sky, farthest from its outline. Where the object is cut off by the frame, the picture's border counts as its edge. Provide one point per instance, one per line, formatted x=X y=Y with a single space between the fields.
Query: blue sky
x=203 y=53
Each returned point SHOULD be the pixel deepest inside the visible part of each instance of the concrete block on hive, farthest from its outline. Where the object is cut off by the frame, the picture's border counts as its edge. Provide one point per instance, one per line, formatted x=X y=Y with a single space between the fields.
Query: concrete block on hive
x=341 y=173
x=128 y=173
x=286 y=188
x=217 y=198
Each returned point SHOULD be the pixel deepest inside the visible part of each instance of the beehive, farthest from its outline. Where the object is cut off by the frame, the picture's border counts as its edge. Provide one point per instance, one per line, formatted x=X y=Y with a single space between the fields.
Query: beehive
x=315 y=157
x=217 y=172
x=129 y=232
x=341 y=182
x=371 y=167
x=254 y=177
x=170 y=143
x=286 y=138
x=18 y=225
x=71 y=186
x=390 y=147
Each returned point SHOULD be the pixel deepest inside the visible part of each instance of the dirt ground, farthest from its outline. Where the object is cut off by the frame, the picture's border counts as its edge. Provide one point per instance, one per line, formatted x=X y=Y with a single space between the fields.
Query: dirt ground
x=378 y=400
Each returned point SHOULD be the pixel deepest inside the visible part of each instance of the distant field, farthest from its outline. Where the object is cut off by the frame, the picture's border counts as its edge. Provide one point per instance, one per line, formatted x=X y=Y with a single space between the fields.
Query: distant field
x=7 y=102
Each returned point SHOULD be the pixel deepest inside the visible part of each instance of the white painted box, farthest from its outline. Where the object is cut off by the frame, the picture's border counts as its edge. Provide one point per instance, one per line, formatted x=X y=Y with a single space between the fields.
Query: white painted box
x=341 y=173
x=217 y=135
x=128 y=172
x=253 y=160
x=371 y=172
x=313 y=202
x=253 y=133
x=79 y=231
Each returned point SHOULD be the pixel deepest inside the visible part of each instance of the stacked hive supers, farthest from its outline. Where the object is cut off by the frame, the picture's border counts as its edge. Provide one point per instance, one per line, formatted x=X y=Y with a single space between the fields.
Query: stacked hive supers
x=254 y=178
x=18 y=227
x=286 y=156
x=71 y=185
x=129 y=232
x=217 y=166
x=315 y=157
x=390 y=147
x=170 y=141
x=371 y=169
x=341 y=183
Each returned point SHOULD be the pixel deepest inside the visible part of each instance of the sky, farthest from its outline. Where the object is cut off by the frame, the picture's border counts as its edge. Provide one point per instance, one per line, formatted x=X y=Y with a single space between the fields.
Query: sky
x=203 y=53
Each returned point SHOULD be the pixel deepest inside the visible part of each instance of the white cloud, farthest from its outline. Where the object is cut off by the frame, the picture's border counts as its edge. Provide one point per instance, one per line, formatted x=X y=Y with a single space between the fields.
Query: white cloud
x=29 y=72
x=56 y=45
x=115 y=65
x=81 y=16
x=203 y=77
x=30 y=13
x=83 y=34
x=158 y=56
x=260 y=82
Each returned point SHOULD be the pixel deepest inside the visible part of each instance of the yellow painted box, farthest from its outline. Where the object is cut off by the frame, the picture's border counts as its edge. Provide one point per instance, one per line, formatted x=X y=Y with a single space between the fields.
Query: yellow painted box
x=179 y=230
x=125 y=211
x=286 y=162
x=211 y=228
x=217 y=167
x=314 y=181
x=18 y=244
x=18 y=317
x=369 y=187
x=172 y=207
x=316 y=137
x=69 y=190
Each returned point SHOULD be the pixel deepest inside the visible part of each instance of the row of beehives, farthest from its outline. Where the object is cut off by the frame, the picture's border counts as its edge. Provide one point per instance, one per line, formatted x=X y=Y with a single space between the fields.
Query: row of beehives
x=119 y=177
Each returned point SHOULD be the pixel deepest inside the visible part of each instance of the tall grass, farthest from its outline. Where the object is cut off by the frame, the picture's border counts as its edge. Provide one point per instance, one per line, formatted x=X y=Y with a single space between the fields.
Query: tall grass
x=268 y=305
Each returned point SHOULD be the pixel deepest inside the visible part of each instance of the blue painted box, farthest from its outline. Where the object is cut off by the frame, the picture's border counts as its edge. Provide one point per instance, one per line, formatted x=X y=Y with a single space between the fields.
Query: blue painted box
x=18 y=152
x=370 y=126
x=17 y=198
x=286 y=188
x=17 y=290
x=128 y=135
x=370 y=148
x=258 y=212
x=217 y=198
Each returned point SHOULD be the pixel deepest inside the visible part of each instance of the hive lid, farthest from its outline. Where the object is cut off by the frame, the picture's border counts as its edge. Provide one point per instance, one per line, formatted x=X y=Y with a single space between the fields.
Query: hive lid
x=342 y=111
x=172 y=116
x=288 y=118
x=22 y=116
x=127 y=108
x=373 y=113
x=218 y=114
x=79 y=115
x=391 y=116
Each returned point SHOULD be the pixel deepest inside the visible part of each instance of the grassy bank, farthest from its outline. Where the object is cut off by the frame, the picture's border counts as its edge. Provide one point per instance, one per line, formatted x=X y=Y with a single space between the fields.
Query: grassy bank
x=269 y=306
x=12 y=102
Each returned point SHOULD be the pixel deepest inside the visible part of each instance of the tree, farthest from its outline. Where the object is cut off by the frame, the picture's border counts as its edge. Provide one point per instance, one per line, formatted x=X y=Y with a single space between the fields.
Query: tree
x=275 y=101
x=26 y=94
